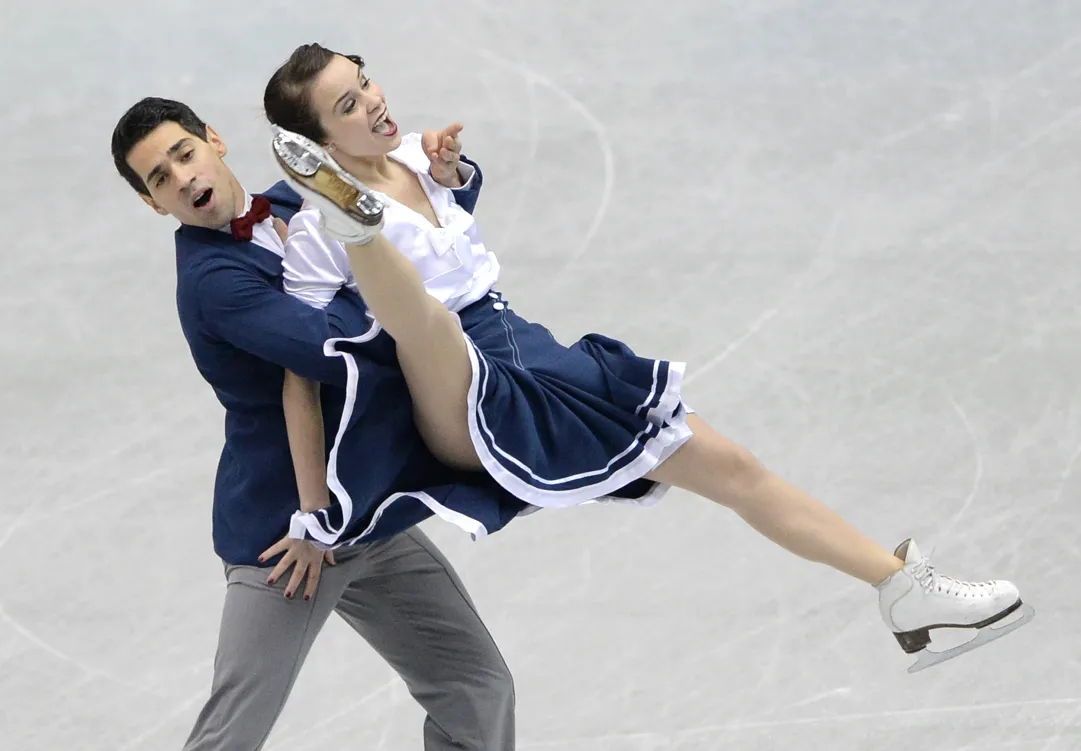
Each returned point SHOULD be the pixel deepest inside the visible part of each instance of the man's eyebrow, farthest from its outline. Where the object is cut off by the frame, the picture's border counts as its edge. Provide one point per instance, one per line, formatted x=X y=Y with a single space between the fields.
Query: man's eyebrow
x=160 y=166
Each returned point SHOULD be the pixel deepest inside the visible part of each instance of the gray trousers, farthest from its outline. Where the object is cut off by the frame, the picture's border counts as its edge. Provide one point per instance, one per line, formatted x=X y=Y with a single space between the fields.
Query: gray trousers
x=404 y=598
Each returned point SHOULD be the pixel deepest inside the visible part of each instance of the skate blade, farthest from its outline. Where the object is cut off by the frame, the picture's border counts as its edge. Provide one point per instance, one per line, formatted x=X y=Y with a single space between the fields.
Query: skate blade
x=927 y=658
x=315 y=175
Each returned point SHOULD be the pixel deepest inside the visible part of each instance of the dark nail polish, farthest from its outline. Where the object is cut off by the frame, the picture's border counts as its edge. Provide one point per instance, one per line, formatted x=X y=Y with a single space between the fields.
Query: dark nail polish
x=307 y=597
x=270 y=582
x=289 y=595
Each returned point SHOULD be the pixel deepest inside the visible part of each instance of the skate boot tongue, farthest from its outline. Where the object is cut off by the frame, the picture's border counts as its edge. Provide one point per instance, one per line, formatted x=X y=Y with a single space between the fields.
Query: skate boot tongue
x=908 y=552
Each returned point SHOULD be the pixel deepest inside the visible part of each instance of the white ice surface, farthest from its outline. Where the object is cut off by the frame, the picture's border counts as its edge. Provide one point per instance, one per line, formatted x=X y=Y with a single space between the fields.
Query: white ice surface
x=857 y=222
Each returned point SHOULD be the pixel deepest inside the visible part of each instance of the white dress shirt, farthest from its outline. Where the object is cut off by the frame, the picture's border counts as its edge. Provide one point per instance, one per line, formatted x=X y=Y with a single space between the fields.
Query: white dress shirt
x=456 y=268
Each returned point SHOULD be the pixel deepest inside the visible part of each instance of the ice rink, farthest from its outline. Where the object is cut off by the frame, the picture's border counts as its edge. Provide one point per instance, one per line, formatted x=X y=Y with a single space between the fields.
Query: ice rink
x=858 y=223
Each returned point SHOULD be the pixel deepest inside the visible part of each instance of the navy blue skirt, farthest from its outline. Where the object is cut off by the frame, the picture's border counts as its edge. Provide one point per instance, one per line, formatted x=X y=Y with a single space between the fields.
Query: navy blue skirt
x=560 y=426
x=554 y=426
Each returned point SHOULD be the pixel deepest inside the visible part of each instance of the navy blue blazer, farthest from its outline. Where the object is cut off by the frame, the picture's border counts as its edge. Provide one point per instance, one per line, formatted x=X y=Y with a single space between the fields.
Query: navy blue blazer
x=243 y=331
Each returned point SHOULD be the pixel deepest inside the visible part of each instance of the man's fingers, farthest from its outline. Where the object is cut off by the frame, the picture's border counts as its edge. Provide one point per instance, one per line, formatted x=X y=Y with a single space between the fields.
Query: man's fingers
x=453 y=130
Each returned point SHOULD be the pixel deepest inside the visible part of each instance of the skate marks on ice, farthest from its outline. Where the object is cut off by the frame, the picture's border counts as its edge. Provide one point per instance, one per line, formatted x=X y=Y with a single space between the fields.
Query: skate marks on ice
x=907 y=717
x=705 y=735
x=530 y=79
x=533 y=79
x=839 y=691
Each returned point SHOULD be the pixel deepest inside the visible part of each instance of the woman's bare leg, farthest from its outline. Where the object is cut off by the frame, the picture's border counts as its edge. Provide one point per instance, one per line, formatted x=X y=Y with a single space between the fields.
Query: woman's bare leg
x=714 y=467
x=435 y=361
x=431 y=348
x=430 y=345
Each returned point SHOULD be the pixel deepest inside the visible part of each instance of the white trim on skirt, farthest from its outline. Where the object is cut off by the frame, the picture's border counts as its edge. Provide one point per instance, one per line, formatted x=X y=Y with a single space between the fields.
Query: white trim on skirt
x=317 y=525
x=673 y=433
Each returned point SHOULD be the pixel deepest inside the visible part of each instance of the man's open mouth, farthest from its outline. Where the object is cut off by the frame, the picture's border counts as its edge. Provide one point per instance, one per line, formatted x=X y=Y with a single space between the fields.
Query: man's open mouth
x=202 y=198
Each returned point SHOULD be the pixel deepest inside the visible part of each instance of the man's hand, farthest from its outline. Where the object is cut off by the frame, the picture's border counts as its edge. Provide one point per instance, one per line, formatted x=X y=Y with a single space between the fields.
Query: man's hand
x=305 y=559
x=444 y=150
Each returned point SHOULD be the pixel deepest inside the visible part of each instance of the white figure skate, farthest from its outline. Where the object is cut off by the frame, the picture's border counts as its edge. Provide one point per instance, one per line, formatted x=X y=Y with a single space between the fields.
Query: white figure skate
x=349 y=212
x=917 y=600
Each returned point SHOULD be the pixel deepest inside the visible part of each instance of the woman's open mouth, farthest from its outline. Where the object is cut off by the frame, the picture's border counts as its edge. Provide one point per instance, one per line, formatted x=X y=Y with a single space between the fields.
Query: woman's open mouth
x=384 y=126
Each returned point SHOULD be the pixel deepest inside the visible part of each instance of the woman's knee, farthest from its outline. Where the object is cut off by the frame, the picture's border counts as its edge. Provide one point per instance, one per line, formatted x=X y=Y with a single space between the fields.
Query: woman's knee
x=733 y=470
x=746 y=472
x=715 y=467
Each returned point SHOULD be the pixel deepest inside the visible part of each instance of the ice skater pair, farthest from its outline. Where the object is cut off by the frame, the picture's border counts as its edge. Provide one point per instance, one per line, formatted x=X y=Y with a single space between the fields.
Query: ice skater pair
x=491 y=392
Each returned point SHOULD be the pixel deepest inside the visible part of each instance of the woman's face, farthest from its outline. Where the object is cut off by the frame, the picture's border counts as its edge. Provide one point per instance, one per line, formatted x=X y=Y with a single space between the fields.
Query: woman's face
x=353 y=111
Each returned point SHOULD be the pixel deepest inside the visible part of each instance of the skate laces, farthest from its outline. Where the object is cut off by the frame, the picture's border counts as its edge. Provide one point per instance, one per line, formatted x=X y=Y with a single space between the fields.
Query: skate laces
x=932 y=581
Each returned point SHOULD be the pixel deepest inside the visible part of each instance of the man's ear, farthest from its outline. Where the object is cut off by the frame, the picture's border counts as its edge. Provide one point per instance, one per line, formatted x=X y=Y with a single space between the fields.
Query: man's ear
x=151 y=203
x=214 y=140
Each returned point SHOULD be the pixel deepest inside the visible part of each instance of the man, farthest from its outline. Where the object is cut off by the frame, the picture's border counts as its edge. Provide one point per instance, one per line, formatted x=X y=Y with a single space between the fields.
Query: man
x=395 y=589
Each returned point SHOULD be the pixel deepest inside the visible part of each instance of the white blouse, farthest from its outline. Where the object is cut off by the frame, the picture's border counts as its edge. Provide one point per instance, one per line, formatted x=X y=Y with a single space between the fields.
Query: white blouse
x=456 y=268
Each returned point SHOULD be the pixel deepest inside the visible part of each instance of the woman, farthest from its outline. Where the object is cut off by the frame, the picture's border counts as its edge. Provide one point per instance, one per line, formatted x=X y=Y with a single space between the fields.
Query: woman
x=554 y=425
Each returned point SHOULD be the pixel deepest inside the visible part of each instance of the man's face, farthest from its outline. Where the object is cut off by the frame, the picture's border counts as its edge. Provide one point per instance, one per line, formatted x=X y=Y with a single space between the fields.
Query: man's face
x=186 y=176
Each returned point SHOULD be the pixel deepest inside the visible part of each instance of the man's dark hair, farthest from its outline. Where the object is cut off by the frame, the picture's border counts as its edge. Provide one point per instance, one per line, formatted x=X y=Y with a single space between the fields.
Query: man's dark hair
x=139 y=122
x=287 y=99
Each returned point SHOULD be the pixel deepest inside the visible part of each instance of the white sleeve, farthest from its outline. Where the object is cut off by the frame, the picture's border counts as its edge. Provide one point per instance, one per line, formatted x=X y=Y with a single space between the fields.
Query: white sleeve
x=465 y=174
x=315 y=267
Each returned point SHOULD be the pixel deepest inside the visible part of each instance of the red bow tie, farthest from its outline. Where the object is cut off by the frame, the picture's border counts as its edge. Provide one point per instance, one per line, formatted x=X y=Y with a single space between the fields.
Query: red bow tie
x=242 y=225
